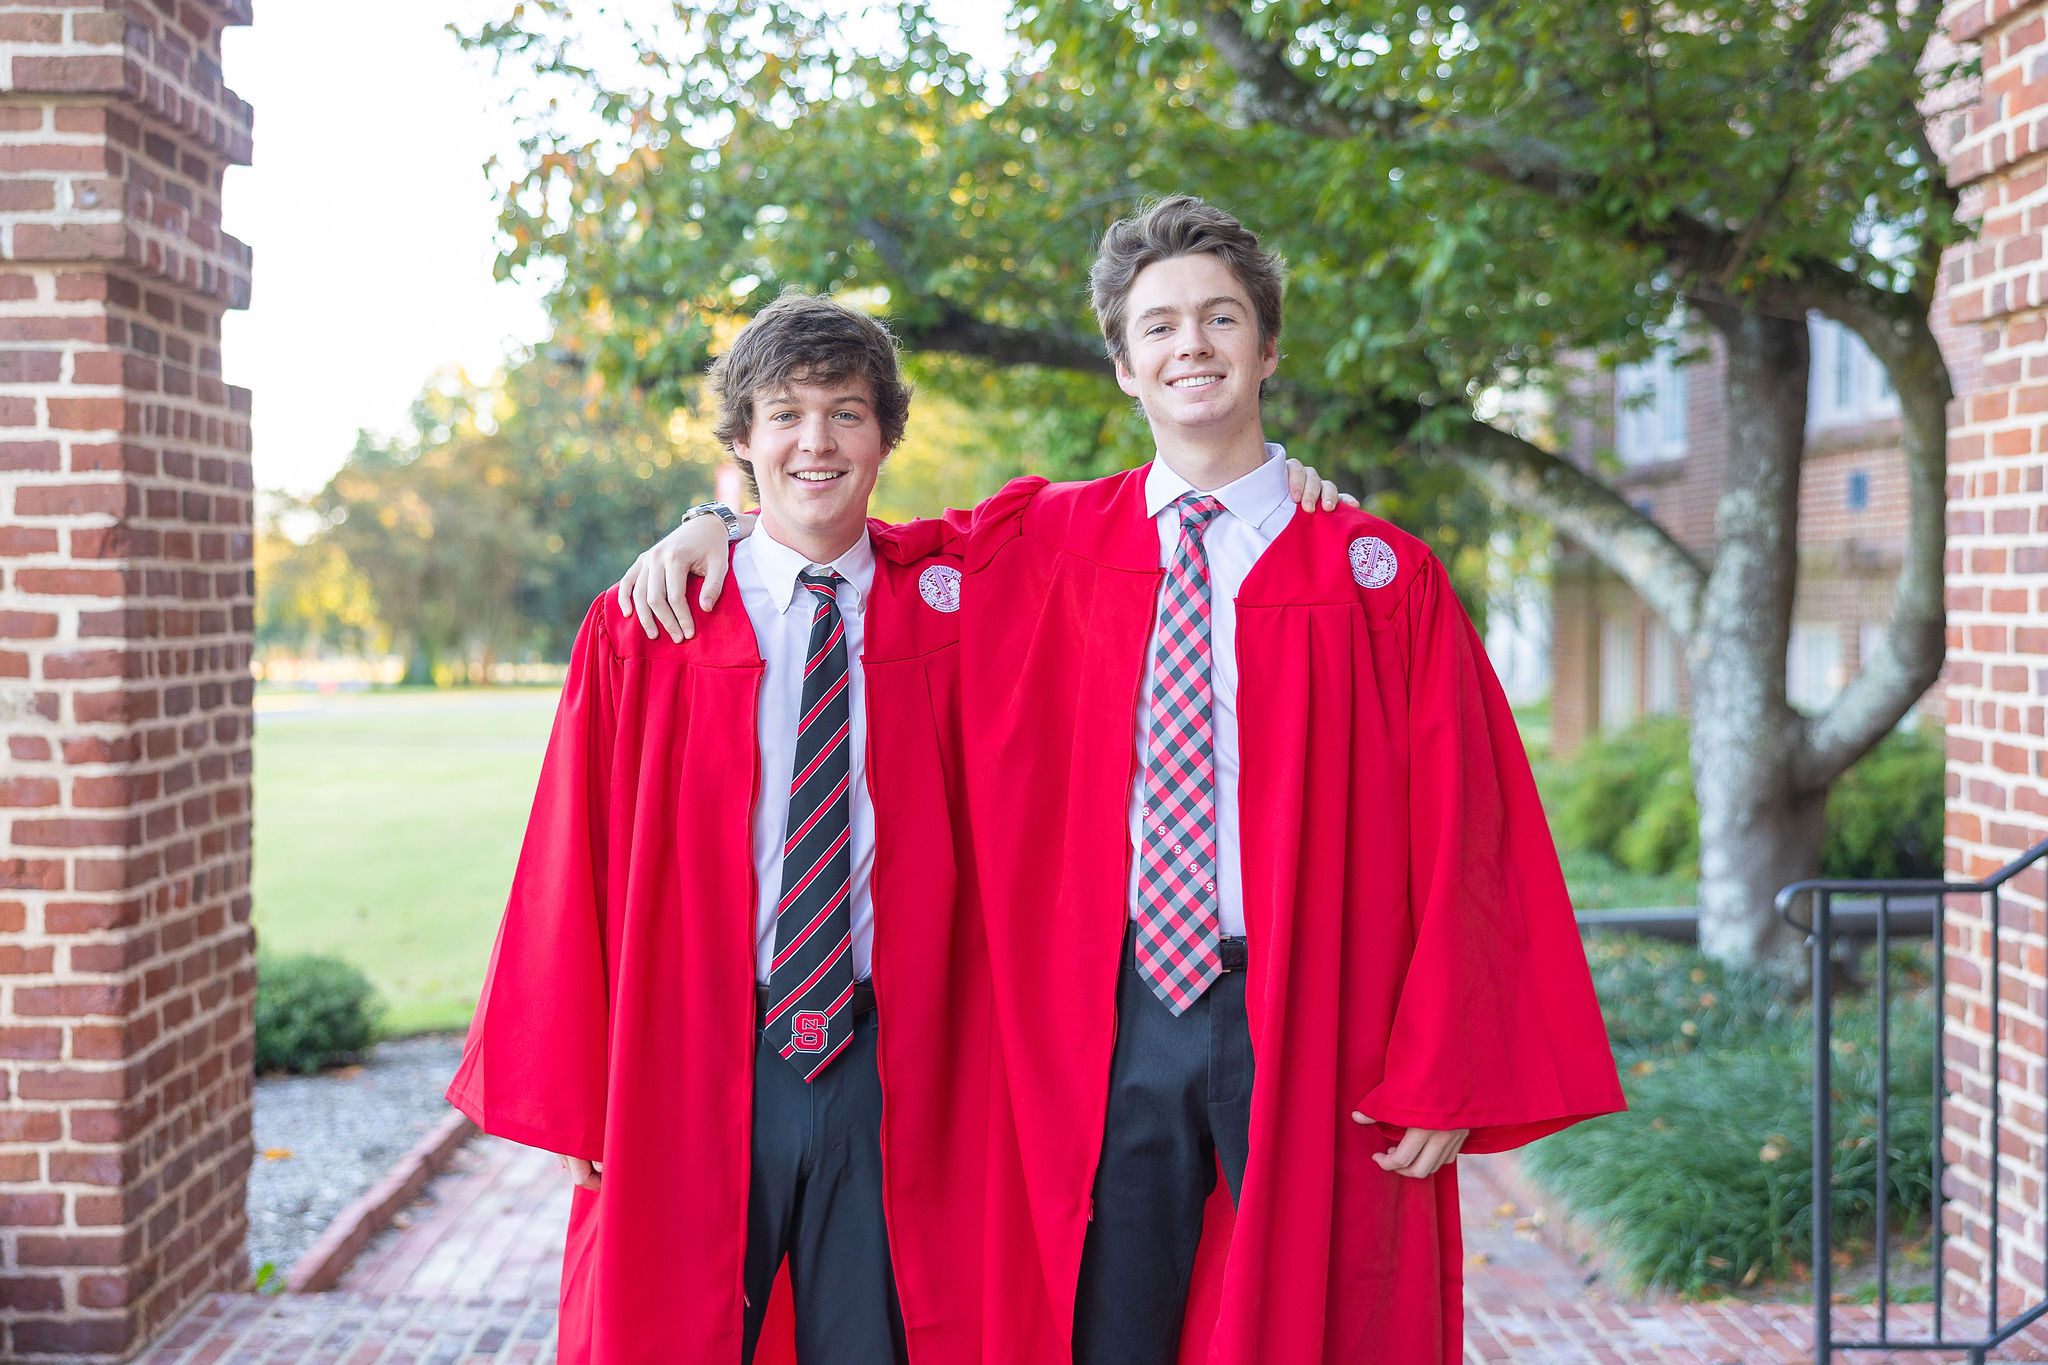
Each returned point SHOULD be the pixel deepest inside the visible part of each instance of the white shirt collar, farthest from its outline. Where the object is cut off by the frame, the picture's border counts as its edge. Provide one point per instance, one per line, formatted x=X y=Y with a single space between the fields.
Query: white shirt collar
x=1251 y=498
x=779 y=566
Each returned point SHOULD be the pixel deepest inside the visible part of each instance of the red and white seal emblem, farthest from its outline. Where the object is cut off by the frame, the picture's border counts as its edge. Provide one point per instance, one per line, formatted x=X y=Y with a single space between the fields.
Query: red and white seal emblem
x=1372 y=562
x=939 y=586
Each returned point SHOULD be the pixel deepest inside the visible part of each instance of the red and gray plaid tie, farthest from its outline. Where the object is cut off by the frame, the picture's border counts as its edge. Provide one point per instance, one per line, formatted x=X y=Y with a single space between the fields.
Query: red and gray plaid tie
x=811 y=978
x=1178 y=925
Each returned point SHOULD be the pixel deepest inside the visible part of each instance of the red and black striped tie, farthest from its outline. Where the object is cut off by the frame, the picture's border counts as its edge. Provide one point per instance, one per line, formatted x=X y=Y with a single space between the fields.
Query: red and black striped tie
x=811 y=981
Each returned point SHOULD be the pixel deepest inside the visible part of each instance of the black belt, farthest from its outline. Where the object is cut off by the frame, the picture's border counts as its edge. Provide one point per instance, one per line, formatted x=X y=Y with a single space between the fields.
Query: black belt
x=1231 y=950
x=863 y=997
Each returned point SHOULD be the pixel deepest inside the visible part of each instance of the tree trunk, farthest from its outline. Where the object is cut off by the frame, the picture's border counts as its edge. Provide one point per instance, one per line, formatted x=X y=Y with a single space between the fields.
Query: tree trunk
x=1759 y=829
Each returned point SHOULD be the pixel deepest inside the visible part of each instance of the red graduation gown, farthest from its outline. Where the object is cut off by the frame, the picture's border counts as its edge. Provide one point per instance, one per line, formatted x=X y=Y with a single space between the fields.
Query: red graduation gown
x=1413 y=954
x=617 y=1017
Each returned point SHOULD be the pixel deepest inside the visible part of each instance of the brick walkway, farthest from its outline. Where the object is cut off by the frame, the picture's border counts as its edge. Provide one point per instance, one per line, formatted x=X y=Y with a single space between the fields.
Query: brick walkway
x=471 y=1276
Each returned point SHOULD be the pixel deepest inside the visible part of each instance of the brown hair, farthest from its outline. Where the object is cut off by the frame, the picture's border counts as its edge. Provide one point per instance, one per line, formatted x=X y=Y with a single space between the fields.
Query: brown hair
x=1181 y=225
x=806 y=339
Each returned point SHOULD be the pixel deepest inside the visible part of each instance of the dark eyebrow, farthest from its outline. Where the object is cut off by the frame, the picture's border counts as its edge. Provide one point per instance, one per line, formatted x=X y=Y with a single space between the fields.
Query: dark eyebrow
x=778 y=399
x=1205 y=303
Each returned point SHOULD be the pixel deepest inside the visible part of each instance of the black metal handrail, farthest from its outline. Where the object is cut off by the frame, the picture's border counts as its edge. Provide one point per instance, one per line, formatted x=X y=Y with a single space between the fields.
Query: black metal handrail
x=1822 y=931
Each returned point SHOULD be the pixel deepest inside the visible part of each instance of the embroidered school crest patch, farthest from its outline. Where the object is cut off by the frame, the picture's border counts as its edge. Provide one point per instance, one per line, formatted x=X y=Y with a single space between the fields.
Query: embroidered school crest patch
x=939 y=586
x=1372 y=562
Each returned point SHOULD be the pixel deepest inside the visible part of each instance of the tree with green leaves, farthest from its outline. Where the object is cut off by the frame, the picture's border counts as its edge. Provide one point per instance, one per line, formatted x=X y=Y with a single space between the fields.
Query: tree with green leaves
x=1474 y=199
x=487 y=529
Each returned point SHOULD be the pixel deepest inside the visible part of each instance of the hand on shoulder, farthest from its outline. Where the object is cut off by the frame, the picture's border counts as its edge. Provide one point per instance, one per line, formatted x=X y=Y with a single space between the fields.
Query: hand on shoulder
x=656 y=588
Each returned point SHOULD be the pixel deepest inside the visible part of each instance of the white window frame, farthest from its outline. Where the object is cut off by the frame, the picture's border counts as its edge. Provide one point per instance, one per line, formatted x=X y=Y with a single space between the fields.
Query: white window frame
x=1660 y=670
x=1649 y=408
x=1617 y=671
x=1846 y=384
x=1814 y=672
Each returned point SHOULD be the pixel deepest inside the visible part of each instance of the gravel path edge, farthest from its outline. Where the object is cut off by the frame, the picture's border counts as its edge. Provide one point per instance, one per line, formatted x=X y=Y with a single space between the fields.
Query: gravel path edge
x=324 y=1263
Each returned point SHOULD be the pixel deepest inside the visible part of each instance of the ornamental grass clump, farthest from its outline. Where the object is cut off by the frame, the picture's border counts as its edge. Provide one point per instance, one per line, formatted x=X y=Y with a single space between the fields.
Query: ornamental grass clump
x=1705 y=1184
x=312 y=1011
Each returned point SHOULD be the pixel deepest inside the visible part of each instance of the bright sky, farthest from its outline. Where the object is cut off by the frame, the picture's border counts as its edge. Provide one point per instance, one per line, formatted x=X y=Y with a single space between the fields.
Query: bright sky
x=372 y=224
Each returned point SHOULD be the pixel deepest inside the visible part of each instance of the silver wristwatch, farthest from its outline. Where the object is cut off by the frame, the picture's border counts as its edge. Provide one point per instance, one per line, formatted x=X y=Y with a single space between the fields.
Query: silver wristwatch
x=719 y=510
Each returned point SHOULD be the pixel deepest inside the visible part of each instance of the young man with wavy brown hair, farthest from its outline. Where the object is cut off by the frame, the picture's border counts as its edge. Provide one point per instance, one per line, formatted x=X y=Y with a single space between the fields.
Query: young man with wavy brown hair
x=741 y=860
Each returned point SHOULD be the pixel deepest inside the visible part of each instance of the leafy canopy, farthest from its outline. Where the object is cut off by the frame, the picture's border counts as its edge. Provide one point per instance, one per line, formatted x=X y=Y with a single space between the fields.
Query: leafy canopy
x=1464 y=193
x=1472 y=198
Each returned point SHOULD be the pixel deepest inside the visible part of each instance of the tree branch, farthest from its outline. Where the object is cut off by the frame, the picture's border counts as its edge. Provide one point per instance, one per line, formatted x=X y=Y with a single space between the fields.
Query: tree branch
x=956 y=331
x=1909 y=660
x=1663 y=572
x=1275 y=92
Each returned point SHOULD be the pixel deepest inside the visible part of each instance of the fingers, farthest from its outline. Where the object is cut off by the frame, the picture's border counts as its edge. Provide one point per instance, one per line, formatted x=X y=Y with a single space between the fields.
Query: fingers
x=1402 y=1158
x=679 y=598
x=626 y=589
x=665 y=596
x=714 y=582
x=1421 y=1152
x=587 y=1174
x=1314 y=492
x=641 y=607
x=1440 y=1148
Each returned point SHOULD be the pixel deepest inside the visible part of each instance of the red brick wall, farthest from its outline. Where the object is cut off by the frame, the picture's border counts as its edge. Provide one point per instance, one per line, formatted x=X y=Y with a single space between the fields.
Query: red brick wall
x=125 y=615
x=1997 y=599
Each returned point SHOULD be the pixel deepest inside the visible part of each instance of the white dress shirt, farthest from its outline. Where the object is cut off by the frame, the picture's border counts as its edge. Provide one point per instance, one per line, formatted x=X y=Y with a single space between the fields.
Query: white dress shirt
x=1256 y=507
x=766 y=571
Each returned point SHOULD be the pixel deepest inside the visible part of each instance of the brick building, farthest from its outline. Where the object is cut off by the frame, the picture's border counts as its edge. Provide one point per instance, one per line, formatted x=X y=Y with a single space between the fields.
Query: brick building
x=126 y=984
x=1997 y=686
x=1659 y=428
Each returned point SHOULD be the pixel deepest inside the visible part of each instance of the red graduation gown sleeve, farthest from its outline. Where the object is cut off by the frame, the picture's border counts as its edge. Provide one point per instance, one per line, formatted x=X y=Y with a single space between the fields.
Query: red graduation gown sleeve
x=986 y=525
x=1497 y=1028
x=541 y=1080
x=626 y=955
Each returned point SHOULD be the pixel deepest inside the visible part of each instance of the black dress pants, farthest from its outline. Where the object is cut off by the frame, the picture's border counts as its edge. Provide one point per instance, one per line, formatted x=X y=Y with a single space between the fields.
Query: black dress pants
x=816 y=1197
x=1180 y=1103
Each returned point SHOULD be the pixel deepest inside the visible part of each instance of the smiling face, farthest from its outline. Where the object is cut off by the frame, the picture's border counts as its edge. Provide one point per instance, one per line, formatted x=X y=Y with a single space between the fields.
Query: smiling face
x=1192 y=354
x=816 y=450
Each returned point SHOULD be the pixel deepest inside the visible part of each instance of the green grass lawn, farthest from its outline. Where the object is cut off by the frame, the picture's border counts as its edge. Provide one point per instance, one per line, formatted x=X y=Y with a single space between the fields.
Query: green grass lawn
x=387 y=825
x=1597 y=884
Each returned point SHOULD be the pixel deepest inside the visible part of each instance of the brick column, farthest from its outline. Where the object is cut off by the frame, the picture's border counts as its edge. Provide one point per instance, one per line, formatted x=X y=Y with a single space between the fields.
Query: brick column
x=126 y=983
x=1997 y=640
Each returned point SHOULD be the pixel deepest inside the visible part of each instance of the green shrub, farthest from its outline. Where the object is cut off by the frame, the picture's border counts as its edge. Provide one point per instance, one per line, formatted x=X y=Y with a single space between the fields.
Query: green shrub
x=1884 y=816
x=1707 y=1181
x=1597 y=797
x=1664 y=836
x=311 y=1011
x=1627 y=796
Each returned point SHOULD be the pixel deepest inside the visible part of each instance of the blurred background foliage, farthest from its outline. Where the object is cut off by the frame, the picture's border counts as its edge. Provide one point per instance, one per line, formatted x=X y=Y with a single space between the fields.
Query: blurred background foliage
x=483 y=532
x=1624 y=799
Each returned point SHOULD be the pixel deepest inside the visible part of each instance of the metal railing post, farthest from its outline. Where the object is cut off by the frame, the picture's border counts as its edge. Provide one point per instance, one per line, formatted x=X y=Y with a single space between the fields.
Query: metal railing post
x=1819 y=894
x=1823 y=1133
